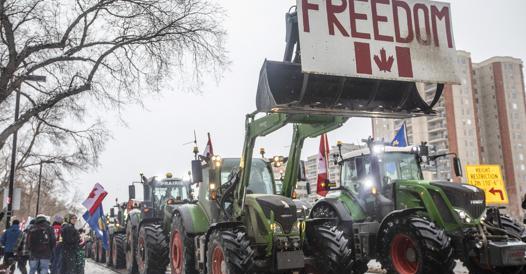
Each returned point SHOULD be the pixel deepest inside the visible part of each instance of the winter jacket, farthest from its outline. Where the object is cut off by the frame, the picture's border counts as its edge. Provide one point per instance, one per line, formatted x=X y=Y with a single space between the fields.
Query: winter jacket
x=40 y=250
x=10 y=238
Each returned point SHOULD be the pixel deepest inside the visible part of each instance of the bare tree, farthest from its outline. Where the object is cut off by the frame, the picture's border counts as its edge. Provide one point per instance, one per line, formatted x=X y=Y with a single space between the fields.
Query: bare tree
x=107 y=51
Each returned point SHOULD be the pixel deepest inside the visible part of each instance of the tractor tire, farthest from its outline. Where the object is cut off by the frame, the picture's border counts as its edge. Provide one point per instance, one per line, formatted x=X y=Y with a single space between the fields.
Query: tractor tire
x=332 y=249
x=131 y=250
x=229 y=252
x=119 y=251
x=152 y=250
x=101 y=252
x=109 y=253
x=512 y=226
x=182 y=249
x=96 y=251
x=414 y=245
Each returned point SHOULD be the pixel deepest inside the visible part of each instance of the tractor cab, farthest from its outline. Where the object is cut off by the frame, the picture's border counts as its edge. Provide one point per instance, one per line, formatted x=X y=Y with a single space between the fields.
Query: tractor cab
x=369 y=174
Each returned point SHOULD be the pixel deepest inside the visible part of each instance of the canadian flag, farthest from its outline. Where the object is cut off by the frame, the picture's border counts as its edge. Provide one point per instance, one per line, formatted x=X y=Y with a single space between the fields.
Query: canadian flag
x=383 y=59
x=209 y=149
x=95 y=198
x=323 y=164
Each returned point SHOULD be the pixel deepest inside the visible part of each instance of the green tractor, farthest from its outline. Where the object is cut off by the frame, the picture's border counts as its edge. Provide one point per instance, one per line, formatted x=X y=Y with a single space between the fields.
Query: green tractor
x=240 y=225
x=116 y=255
x=412 y=225
x=146 y=231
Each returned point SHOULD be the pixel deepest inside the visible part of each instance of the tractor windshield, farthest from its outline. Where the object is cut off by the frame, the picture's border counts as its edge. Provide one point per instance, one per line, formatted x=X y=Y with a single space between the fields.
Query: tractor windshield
x=393 y=166
x=261 y=181
x=400 y=166
x=163 y=192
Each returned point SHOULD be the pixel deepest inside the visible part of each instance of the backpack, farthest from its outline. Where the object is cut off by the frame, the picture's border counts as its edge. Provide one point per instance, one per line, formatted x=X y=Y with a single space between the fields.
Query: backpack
x=39 y=238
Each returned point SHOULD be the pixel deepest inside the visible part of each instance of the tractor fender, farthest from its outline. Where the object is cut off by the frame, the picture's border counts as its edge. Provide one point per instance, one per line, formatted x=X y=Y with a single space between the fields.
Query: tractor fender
x=343 y=214
x=194 y=218
x=134 y=218
x=393 y=215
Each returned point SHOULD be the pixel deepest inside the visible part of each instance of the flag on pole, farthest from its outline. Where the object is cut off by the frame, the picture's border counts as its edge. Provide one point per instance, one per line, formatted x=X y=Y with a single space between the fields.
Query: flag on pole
x=95 y=198
x=323 y=166
x=400 y=140
x=97 y=222
x=209 y=150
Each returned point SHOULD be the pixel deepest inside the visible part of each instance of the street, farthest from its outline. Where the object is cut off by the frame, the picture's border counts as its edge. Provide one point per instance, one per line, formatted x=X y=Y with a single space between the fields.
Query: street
x=95 y=268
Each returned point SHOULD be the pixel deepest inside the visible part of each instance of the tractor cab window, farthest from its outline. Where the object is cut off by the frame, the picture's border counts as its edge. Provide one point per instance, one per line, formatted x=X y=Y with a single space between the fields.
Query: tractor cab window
x=177 y=192
x=354 y=171
x=400 y=166
x=261 y=181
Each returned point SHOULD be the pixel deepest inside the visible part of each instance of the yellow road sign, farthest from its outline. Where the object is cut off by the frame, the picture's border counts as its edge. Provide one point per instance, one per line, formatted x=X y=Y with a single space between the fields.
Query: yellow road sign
x=488 y=178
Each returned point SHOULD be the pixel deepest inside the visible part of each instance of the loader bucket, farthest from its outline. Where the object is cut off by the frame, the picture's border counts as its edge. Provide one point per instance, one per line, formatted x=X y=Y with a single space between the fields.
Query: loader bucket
x=283 y=87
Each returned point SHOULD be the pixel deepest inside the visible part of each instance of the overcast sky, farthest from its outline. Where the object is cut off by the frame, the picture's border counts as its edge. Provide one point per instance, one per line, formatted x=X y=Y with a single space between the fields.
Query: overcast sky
x=152 y=142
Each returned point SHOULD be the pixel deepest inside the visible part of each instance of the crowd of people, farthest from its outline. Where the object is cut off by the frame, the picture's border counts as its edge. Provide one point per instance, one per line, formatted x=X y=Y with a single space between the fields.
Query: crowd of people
x=55 y=248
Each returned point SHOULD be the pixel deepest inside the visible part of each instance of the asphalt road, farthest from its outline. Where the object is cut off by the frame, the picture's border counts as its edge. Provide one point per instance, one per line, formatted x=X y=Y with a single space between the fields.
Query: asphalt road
x=95 y=268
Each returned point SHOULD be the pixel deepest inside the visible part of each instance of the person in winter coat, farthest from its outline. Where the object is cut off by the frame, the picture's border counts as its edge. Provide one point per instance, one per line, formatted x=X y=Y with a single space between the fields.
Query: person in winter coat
x=40 y=242
x=70 y=247
x=56 y=260
x=9 y=240
x=22 y=250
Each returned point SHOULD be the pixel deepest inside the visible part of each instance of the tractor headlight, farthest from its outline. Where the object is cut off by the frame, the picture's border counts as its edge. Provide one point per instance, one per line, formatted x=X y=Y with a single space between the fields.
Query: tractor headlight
x=296 y=228
x=463 y=215
x=276 y=228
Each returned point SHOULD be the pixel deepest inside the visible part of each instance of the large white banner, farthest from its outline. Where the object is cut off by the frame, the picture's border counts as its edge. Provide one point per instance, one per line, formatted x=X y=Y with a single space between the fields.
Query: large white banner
x=407 y=40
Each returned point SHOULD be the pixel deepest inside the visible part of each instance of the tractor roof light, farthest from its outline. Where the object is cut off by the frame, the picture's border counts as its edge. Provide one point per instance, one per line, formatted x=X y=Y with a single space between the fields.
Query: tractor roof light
x=216 y=160
x=378 y=149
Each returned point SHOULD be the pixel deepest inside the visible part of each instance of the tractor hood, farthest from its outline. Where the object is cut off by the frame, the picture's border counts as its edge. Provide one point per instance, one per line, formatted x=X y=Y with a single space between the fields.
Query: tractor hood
x=467 y=197
x=284 y=210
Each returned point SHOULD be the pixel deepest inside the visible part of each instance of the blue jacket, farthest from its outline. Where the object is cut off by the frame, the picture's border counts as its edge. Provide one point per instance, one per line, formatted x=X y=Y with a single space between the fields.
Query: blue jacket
x=10 y=237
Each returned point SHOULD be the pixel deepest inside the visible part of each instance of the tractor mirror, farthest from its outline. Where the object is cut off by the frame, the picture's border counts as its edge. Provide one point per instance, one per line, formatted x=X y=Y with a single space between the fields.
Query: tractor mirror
x=302 y=176
x=131 y=192
x=197 y=171
x=458 y=166
x=112 y=212
x=307 y=186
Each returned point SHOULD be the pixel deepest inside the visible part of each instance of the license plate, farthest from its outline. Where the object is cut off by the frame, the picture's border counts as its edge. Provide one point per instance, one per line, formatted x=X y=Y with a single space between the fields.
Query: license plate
x=514 y=256
x=290 y=260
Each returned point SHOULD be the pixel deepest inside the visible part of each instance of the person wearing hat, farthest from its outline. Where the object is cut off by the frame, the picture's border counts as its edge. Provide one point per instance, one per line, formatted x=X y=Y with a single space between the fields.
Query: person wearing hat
x=56 y=259
x=70 y=246
x=9 y=240
x=40 y=242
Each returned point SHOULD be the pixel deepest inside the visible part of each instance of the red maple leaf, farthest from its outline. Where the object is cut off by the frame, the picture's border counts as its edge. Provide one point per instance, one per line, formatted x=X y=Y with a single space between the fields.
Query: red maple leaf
x=383 y=63
x=92 y=194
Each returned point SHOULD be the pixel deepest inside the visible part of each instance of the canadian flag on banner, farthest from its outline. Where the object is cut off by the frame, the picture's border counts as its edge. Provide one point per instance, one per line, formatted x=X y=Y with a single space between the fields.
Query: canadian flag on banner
x=95 y=198
x=383 y=59
x=323 y=166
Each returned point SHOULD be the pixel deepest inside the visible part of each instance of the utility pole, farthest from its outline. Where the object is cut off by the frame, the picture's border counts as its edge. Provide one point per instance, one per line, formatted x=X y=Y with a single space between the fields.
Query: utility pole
x=9 y=212
x=39 y=182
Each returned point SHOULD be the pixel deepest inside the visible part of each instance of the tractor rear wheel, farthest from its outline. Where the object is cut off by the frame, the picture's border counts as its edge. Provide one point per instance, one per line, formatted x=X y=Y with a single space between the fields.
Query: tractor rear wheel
x=131 y=250
x=182 y=249
x=414 y=245
x=229 y=252
x=331 y=248
x=109 y=253
x=119 y=251
x=152 y=250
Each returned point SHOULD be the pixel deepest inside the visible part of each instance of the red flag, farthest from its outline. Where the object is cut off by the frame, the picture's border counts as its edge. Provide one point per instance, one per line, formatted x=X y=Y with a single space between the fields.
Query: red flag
x=209 y=150
x=95 y=198
x=323 y=166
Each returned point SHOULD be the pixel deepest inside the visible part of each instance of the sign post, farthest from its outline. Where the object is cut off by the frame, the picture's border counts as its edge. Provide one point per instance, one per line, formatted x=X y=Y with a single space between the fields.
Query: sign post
x=489 y=178
x=404 y=40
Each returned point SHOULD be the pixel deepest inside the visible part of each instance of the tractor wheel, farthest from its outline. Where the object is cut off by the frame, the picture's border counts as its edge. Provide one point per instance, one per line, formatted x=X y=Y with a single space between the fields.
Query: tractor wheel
x=511 y=225
x=332 y=249
x=109 y=253
x=182 y=249
x=152 y=250
x=101 y=251
x=229 y=252
x=131 y=250
x=96 y=251
x=119 y=251
x=415 y=245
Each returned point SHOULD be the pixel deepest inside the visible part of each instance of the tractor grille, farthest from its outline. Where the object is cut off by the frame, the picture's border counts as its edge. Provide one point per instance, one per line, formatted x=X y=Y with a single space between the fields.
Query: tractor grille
x=467 y=197
x=284 y=210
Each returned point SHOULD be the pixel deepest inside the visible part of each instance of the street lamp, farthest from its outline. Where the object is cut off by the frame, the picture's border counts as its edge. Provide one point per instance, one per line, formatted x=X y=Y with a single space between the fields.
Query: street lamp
x=35 y=78
x=39 y=182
